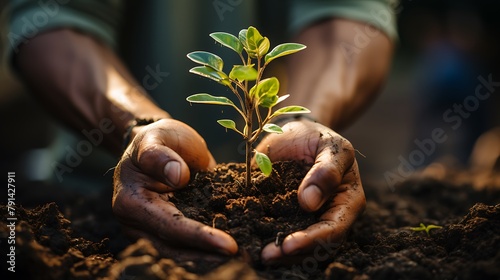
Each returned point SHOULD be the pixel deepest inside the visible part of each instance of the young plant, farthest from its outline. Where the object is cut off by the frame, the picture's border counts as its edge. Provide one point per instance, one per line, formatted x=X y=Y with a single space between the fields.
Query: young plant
x=256 y=96
x=425 y=228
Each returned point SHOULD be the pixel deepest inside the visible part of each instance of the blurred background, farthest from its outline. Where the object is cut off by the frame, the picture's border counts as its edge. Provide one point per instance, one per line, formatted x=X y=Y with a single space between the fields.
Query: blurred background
x=443 y=49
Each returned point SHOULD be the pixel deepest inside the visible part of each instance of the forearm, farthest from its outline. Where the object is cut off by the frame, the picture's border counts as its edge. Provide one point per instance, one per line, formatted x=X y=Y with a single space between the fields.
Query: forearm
x=337 y=77
x=84 y=84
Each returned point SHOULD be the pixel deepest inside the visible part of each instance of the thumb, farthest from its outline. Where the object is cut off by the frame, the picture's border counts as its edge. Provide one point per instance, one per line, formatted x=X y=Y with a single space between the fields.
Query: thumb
x=163 y=164
x=324 y=178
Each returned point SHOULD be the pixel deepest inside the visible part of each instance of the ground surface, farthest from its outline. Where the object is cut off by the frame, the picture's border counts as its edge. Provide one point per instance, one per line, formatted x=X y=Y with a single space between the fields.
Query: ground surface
x=86 y=243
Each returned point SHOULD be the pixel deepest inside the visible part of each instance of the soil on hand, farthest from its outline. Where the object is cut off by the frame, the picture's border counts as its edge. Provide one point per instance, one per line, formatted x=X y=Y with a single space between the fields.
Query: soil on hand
x=86 y=242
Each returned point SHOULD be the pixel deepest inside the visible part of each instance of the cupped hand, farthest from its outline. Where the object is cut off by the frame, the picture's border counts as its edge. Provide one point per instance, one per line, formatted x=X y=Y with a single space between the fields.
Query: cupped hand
x=157 y=162
x=333 y=179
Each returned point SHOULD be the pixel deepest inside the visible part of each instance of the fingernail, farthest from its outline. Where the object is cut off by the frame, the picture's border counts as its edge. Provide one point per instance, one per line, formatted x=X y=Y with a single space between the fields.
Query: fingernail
x=173 y=172
x=312 y=197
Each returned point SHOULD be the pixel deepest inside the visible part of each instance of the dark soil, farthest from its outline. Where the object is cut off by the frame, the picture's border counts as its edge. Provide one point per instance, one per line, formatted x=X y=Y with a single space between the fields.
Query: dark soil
x=86 y=242
x=255 y=216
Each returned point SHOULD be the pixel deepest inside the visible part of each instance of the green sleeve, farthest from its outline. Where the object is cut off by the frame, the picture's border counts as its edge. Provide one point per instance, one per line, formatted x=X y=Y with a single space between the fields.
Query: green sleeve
x=99 y=18
x=379 y=13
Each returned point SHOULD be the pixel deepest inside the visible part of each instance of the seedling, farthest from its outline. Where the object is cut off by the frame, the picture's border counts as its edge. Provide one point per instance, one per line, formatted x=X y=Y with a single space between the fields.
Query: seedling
x=425 y=228
x=256 y=96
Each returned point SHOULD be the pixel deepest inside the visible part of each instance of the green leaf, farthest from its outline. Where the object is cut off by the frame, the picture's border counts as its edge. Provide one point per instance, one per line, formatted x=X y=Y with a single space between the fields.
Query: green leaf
x=242 y=37
x=266 y=92
x=256 y=45
x=290 y=110
x=272 y=128
x=282 y=50
x=253 y=39
x=206 y=98
x=263 y=47
x=228 y=124
x=269 y=86
x=268 y=101
x=264 y=163
x=228 y=40
x=427 y=228
x=207 y=59
x=281 y=98
x=211 y=73
x=243 y=73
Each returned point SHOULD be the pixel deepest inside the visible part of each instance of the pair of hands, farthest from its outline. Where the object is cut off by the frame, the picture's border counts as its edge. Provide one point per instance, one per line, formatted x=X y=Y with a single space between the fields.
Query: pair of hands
x=159 y=161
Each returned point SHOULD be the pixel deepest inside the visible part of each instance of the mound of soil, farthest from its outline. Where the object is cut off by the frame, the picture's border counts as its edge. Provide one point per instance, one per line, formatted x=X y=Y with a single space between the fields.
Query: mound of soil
x=86 y=243
x=255 y=216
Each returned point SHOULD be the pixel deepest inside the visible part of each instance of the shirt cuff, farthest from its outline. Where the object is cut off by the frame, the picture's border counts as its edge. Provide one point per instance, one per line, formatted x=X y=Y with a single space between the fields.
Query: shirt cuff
x=29 y=19
x=379 y=14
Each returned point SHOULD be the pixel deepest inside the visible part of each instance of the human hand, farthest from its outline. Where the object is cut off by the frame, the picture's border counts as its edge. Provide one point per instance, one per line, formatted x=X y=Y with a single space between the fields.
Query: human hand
x=334 y=173
x=157 y=162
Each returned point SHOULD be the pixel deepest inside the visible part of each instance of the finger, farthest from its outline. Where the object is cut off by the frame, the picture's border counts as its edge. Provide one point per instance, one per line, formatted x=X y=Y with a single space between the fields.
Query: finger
x=185 y=141
x=211 y=162
x=161 y=163
x=289 y=252
x=173 y=252
x=329 y=233
x=167 y=150
x=325 y=176
x=151 y=163
x=128 y=172
x=293 y=144
x=326 y=235
x=149 y=211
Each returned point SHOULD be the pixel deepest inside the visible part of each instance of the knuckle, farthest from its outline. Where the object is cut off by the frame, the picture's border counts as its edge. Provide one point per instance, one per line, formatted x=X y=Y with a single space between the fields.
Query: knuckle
x=147 y=154
x=346 y=146
x=340 y=146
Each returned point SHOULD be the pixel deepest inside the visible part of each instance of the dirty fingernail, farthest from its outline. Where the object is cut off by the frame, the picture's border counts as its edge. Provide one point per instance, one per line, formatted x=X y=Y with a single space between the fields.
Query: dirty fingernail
x=312 y=197
x=173 y=172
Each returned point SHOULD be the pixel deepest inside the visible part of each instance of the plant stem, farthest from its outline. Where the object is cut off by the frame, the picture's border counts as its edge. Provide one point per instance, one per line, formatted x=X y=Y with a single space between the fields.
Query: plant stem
x=249 y=143
x=248 y=164
x=249 y=133
x=242 y=104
